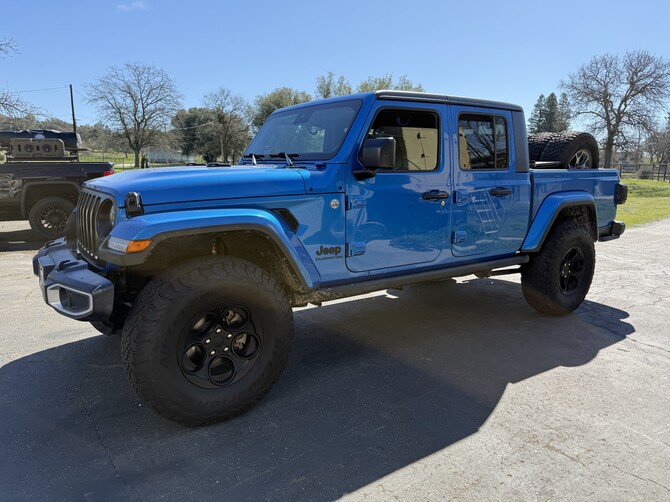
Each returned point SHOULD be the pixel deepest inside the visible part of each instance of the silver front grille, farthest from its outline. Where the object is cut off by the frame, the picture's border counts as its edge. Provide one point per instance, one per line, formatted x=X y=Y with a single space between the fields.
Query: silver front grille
x=87 y=214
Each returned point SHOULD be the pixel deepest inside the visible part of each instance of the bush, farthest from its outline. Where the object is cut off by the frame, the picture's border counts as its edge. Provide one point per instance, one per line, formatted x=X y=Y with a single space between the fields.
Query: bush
x=645 y=173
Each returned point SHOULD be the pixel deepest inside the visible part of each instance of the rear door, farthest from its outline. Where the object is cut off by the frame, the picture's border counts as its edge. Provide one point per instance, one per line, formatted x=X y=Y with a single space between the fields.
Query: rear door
x=491 y=200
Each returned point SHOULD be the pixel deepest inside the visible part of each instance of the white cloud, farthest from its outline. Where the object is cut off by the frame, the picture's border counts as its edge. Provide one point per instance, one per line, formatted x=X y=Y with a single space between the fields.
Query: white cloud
x=127 y=7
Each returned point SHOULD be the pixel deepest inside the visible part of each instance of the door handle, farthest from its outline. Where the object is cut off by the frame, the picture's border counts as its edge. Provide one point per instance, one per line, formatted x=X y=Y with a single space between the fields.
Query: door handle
x=500 y=191
x=435 y=195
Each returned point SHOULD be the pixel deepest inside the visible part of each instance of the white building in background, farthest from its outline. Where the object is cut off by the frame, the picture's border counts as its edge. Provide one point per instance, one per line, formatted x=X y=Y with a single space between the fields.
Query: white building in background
x=160 y=156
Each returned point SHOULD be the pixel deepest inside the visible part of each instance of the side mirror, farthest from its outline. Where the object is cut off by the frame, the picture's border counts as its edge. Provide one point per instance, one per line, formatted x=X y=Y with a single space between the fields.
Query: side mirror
x=378 y=153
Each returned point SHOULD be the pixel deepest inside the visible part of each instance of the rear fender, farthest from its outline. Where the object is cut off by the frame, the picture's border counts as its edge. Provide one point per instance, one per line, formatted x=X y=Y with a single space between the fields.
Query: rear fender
x=159 y=227
x=48 y=189
x=549 y=211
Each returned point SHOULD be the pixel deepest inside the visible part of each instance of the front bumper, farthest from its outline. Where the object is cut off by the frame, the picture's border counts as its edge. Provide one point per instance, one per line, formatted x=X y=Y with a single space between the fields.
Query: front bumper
x=70 y=286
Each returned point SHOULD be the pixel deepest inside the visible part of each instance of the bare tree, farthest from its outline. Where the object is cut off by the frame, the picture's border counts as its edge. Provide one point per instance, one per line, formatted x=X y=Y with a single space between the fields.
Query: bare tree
x=7 y=47
x=231 y=112
x=658 y=144
x=137 y=99
x=620 y=95
x=11 y=103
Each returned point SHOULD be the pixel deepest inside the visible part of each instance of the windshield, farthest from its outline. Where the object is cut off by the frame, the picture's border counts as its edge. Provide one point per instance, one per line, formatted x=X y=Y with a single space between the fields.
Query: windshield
x=307 y=133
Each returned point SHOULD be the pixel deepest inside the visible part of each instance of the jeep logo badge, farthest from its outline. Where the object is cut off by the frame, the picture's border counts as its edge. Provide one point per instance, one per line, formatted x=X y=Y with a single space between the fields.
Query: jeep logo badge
x=334 y=250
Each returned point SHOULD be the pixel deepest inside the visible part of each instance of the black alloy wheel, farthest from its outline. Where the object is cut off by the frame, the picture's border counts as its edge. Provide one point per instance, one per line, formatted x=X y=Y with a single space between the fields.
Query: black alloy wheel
x=49 y=216
x=219 y=346
x=572 y=271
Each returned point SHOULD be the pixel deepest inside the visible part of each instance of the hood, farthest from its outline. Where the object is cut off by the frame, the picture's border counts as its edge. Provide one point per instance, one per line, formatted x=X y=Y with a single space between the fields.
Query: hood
x=186 y=184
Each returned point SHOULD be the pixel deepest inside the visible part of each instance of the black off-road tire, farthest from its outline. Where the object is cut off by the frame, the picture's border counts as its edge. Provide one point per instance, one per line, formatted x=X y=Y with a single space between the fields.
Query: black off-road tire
x=48 y=216
x=558 y=277
x=574 y=150
x=107 y=328
x=537 y=143
x=179 y=363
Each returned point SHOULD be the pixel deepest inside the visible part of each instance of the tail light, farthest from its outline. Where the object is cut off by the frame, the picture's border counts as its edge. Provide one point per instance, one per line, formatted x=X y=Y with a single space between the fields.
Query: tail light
x=108 y=172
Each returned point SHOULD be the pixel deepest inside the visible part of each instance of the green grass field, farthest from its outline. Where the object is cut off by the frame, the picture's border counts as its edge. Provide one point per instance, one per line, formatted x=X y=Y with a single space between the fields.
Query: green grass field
x=647 y=201
x=119 y=159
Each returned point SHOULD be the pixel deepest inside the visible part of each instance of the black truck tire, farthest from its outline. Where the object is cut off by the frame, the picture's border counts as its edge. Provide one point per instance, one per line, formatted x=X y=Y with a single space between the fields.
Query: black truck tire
x=48 y=216
x=537 y=143
x=107 y=328
x=208 y=339
x=556 y=280
x=574 y=150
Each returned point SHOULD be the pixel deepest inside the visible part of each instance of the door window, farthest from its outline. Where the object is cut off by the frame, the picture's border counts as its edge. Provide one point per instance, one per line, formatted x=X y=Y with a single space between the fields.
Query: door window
x=482 y=142
x=416 y=137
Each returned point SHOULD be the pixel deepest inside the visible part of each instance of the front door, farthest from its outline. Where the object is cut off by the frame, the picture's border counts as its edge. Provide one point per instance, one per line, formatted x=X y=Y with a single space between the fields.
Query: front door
x=491 y=200
x=401 y=216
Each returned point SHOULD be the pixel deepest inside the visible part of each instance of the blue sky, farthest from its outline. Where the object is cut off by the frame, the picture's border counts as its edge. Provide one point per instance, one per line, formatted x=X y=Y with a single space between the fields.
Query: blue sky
x=508 y=51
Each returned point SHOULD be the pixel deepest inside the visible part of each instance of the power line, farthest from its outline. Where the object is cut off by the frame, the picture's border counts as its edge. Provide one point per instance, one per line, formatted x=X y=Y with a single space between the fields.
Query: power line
x=40 y=90
x=196 y=126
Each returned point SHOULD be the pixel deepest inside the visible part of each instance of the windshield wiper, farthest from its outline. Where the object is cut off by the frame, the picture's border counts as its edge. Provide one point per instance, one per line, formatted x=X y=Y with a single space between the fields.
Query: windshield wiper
x=253 y=157
x=286 y=156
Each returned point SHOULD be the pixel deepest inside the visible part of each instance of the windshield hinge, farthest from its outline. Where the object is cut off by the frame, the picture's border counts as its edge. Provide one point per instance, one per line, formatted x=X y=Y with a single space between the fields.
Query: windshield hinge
x=355 y=248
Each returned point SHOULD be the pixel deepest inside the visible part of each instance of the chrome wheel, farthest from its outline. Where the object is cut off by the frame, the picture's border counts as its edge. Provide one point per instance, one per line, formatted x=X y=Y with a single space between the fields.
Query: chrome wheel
x=581 y=160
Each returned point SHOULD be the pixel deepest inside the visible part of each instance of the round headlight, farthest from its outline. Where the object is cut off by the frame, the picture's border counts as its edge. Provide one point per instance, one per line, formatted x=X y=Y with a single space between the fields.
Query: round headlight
x=106 y=218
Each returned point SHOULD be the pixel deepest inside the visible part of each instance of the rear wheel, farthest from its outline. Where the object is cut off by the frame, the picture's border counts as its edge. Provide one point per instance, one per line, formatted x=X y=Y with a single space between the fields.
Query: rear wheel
x=48 y=216
x=557 y=279
x=207 y=340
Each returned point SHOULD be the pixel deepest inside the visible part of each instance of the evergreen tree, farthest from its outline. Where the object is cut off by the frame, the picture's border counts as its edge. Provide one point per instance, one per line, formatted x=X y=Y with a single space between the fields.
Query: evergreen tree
x=536 y=120
x=564 y=113
x=551 y=115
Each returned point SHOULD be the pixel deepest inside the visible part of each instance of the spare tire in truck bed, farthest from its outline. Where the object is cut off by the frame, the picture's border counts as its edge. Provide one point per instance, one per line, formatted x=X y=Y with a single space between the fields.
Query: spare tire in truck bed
x=537 y=143
x=574 y=150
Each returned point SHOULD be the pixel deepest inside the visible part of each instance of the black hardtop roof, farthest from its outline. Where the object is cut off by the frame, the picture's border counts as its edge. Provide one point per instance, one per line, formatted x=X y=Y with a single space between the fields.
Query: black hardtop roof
x=442 y=98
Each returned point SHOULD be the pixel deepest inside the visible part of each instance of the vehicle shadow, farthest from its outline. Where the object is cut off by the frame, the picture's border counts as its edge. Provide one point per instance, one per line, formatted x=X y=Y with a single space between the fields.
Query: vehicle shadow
x=20 y=240
x=373 y=385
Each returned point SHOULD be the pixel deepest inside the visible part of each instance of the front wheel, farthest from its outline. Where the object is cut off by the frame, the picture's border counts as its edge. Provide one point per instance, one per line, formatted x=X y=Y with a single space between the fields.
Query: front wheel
x=557 y=279
x=207 y=340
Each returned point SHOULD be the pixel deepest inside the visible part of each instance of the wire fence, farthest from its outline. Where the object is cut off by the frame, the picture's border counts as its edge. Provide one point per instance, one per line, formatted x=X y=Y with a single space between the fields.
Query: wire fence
x=659 y=172
x=124 y=162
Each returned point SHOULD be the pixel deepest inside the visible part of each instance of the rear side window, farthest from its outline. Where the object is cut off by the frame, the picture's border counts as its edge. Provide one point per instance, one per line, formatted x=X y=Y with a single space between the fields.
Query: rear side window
x=416 y=137
x=482 y=142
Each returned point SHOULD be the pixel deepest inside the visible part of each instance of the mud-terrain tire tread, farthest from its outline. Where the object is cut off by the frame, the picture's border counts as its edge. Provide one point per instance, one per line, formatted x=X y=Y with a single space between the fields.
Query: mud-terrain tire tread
x=564 y=145
x=537 y=143
x=155 y=303
x=540 y=275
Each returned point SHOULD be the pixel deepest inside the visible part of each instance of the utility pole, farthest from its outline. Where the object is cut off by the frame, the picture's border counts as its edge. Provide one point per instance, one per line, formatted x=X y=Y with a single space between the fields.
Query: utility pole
x=74 y=120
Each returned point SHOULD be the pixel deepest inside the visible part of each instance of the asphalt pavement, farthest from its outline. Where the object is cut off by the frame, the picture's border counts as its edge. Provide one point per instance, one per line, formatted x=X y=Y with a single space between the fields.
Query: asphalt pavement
x=449 y=391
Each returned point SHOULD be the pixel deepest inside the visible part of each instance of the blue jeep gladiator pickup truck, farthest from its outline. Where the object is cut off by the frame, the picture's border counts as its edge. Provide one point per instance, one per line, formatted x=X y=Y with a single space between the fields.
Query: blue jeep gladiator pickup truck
x=198 y=268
